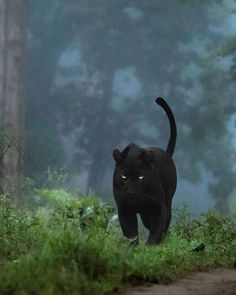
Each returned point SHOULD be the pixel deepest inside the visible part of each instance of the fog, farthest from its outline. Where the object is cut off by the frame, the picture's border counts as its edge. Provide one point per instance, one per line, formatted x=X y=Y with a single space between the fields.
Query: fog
x=94 y=69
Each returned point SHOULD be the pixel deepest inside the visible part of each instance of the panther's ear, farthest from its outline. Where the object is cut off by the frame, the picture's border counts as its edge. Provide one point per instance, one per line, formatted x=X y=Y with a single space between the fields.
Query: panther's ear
x=147 y=156
x=117 y=155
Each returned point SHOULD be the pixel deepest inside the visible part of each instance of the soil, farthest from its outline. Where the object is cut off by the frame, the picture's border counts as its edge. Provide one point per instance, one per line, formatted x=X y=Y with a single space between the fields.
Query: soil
x=213 y=282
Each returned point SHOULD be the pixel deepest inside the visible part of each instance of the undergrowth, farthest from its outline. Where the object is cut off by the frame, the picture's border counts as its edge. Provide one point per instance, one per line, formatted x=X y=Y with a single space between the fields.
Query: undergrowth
x=65 y=246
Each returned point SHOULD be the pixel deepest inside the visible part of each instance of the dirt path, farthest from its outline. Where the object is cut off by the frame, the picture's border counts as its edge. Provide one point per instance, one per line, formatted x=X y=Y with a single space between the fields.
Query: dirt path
x=213 y=282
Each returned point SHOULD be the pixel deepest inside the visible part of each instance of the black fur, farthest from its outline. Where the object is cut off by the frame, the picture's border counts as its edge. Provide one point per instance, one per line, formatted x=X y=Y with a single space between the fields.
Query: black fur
x=144 y=182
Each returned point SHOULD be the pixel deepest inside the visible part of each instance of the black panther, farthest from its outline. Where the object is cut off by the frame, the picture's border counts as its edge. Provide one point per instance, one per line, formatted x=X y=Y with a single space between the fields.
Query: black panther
x=144 y=183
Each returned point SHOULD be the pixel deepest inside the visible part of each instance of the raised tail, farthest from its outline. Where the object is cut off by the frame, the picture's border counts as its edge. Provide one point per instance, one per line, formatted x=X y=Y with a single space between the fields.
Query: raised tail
x=173 y=131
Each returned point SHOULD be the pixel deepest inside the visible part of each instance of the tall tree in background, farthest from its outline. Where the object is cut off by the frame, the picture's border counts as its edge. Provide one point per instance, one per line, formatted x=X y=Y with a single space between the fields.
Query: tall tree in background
x=51 y=31
x=12 y=68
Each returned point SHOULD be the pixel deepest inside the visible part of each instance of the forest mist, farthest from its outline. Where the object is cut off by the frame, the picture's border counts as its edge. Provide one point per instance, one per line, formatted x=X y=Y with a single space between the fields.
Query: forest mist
x=93 y=71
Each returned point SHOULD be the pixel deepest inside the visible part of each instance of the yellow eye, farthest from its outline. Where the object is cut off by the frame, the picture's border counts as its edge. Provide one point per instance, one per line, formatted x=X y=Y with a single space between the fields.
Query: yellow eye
x=140 y=177
x=124 y=176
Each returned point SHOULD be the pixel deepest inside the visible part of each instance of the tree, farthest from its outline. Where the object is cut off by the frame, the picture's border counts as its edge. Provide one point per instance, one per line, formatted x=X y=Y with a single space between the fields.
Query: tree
x=12 y=91
x=52 y=28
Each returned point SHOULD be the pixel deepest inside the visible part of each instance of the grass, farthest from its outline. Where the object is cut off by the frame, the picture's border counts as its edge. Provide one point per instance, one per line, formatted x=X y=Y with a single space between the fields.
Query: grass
x=65 y=247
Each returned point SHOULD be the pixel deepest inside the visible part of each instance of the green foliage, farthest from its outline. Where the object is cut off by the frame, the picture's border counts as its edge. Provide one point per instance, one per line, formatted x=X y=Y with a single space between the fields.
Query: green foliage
x=49 y=252
x=20 y=233
x=87 y=211
x=55 y=178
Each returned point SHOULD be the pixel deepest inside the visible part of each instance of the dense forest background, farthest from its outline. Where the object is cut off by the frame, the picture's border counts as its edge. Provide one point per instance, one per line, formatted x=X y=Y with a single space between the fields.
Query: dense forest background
x=79 y=78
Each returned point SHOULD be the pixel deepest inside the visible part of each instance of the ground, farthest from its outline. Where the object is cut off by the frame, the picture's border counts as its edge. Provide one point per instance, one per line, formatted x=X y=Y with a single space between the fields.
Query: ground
x=213 y=282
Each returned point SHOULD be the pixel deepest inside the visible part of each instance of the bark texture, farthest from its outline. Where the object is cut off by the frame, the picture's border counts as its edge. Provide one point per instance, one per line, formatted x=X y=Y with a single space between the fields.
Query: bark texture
x=12 y=94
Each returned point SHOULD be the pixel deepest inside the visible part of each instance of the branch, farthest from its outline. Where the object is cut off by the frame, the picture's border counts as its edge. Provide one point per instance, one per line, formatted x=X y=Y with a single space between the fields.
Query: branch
x=7 y=148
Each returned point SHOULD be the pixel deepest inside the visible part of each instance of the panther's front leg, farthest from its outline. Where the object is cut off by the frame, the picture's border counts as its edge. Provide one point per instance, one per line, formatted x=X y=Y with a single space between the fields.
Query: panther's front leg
x=157 y=221
x=129 y=223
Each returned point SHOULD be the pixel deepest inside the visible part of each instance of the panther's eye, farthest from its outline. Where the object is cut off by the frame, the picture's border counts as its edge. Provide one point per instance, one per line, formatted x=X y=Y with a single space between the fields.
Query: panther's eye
x=124 y=176
x=140 y=177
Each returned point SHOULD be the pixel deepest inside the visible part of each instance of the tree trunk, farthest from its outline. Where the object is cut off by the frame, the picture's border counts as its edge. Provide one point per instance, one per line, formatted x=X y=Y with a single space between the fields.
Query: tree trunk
x=98 y=164
x=2 y=59
x=12 y=84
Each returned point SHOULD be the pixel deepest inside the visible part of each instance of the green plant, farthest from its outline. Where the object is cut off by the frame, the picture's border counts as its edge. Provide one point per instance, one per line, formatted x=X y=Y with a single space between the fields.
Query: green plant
x=51 y=251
